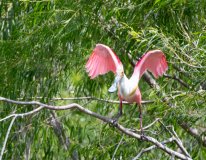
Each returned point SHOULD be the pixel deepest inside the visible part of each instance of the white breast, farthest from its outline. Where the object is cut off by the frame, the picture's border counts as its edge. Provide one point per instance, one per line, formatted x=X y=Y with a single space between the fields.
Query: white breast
x=126 y=86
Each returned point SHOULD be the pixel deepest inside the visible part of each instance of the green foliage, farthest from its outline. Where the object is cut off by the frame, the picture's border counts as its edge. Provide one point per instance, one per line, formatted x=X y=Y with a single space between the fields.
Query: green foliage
x=43 y=51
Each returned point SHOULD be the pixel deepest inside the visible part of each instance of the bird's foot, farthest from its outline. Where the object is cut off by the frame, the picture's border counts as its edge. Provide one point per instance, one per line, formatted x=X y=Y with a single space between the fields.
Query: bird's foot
x=114 y=123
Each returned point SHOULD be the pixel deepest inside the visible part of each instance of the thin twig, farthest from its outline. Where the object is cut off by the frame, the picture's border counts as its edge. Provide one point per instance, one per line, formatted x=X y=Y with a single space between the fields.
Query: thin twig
x=87 y=102
x=152 y=147
x=138 y=130
x=178 y=142
x=56 y=126
x=60 y=95
x=192 y=131
x=175 y=133
x=118 y=146
x=176 y=78
x=178 y=68
x=165 y=128
x=22 y=114
x=7 y=135
x=123 y=134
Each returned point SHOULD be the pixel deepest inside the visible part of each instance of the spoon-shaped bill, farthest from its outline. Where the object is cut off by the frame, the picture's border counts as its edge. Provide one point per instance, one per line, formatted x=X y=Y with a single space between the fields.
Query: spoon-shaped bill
x=113 y=88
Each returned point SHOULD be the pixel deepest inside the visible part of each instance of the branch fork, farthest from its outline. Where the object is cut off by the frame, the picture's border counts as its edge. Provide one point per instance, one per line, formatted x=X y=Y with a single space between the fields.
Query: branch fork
x=93 y=114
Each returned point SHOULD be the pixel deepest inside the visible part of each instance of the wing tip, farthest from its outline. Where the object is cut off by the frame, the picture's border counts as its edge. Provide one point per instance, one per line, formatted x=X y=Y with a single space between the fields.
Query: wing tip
x=87 y=65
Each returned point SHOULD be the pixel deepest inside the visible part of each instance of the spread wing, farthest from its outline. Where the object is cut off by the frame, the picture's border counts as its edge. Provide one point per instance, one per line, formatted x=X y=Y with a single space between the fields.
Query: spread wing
x=102 y=60
x=154 y=61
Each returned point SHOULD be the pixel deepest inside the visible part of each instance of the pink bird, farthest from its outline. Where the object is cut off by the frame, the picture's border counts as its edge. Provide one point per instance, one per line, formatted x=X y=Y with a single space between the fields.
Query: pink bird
x=103 y=60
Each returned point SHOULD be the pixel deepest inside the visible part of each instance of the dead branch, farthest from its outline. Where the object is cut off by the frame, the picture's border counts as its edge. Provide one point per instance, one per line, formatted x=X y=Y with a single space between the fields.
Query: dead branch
x=74 y=105
x=7 y=135
x=176 y=78
x=178 y=68
x=118 y=146
x=152 y=147
x=178 y=142
x=93 y=98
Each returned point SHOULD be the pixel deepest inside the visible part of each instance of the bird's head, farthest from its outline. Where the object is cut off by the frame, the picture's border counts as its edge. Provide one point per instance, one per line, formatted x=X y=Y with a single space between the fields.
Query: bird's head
x=119 y=75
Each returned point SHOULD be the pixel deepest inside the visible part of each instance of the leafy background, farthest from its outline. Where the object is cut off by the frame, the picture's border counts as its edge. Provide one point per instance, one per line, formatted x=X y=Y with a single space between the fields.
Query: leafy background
x=44 y=48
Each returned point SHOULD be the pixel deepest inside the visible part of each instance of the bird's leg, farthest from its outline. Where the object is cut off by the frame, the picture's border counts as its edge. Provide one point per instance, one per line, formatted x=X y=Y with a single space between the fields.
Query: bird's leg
x=140 y=118
x=115 y=124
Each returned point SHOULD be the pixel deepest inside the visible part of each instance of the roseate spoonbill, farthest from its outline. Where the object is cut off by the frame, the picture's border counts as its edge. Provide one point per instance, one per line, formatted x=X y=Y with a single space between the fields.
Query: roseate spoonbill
x=103 y=60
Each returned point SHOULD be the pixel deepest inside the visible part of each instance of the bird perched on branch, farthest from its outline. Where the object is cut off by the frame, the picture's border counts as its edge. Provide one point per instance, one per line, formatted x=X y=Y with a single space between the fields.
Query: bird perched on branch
x=103 y=60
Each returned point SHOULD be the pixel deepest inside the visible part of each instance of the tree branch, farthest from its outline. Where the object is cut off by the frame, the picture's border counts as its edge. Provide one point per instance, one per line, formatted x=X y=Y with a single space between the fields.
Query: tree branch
x=173 y=138
x=60 y=133
x=139 y=130
x=152 y=147
x=94 y=98
x=118 y=146
x=176 y=78
x=178 y=69
x=192 y=131
x=7 y=135
x=105 y=119
x=178 y=142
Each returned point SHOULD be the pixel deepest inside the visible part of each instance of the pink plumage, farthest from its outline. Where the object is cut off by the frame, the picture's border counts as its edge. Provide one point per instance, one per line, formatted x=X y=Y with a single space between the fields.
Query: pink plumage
x=154 y=61
x=103 y=60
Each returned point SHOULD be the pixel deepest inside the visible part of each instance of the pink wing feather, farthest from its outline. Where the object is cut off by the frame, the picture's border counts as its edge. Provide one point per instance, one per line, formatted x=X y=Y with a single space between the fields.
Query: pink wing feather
x=102 y=60
x=154 y=61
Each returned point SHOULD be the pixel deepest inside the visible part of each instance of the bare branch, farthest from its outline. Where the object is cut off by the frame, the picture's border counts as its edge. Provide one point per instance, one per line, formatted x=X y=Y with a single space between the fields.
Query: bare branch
x=178 y=69
x=94 y=98
x=186 y=62
x=60 y=133
x=176 y=78
x=105 y=119
x=118 y=146
x=166 y=128
x=178 y=142
x=58 y=130
x=192 y=131
x=175 y=133
x=22 y=114
x=172 y=157
x=152 y=147
x=139 y=130
x=7 y=135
